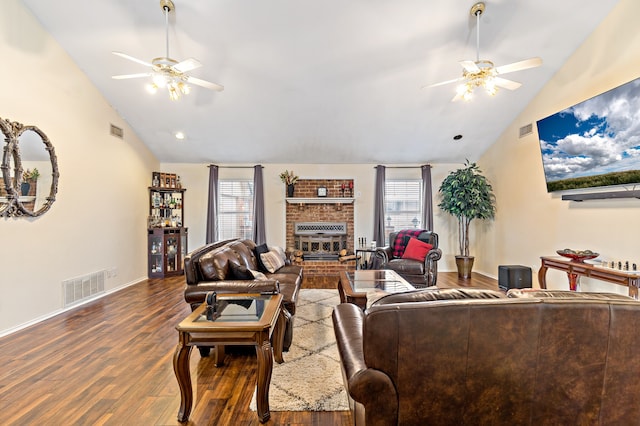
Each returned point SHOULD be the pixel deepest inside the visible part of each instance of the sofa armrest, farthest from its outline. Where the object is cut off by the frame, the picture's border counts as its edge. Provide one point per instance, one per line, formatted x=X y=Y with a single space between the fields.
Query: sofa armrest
x=384 y=253
x=433 y=256
x=371 y=388
x=195 y=294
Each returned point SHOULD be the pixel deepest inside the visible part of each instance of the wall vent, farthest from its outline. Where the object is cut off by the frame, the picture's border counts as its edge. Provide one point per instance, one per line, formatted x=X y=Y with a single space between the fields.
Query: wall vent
x=79 y=289
x=526 y=130
x=117 y=132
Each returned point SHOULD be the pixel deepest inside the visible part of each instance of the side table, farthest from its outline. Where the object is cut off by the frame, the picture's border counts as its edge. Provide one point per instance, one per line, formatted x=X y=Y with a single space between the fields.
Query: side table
x=242 y=319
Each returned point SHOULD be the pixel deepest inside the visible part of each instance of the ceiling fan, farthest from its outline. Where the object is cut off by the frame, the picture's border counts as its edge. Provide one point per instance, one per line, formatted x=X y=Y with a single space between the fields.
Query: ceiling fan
x=483 y=73
x=167 y=72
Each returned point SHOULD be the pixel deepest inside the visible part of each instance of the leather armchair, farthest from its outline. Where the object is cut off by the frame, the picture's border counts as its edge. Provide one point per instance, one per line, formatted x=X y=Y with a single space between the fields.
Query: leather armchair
x=420 y=274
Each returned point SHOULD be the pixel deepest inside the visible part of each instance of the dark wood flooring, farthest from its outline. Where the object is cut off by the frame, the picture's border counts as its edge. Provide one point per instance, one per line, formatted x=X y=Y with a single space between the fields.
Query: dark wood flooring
x=110 y=363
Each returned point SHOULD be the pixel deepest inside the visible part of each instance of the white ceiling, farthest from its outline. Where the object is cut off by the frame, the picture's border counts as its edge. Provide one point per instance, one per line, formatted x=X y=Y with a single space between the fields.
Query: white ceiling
x=328 y=81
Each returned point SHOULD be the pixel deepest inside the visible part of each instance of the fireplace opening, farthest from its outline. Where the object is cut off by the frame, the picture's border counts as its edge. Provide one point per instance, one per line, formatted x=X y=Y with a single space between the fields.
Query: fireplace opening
x=320 y=240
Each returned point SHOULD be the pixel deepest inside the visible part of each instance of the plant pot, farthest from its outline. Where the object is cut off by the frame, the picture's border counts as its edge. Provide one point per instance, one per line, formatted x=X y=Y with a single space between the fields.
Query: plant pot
x=464 y=265
x=290 y=189
x=24 y=188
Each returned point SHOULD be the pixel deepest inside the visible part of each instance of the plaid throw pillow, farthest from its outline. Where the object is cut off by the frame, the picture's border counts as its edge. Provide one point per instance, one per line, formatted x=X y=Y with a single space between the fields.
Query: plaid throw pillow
x=400 y=242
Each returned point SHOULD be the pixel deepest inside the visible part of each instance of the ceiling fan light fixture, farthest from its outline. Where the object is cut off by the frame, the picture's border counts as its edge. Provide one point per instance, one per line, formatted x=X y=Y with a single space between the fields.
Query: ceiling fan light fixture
x=184 y=88
x=159 y=80
x=490 y=86
x=152 y=88
x=174 y=93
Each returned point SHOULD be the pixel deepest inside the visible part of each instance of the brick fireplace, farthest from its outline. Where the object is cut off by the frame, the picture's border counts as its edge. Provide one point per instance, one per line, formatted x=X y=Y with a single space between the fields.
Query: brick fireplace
x=336 y=208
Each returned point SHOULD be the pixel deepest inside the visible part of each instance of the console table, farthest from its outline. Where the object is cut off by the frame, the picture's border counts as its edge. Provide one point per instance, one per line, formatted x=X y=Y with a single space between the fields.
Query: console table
x=575 y=270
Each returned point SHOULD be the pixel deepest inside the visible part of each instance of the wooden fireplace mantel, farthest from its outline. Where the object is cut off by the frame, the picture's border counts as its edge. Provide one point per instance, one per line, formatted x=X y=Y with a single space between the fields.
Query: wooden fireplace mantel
x=320 y=200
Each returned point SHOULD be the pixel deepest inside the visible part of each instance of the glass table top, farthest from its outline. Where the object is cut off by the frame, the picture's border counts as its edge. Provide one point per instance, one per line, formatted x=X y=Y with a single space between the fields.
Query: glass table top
x=385 y=280
x=236 y=309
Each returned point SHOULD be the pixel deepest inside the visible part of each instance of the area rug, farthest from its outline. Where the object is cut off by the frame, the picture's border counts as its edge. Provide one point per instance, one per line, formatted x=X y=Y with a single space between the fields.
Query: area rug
x=310 y=378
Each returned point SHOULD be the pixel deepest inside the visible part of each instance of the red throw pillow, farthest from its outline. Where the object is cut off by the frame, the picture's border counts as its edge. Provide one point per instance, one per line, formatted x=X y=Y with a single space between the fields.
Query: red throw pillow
x=416 y=250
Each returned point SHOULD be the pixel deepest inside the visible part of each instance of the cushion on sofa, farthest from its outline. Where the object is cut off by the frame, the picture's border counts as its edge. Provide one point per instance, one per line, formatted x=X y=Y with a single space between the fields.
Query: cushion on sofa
x=245 y=255
x=280 y=252
x=257 y=275
x=259 y=250
x=434 y=293
x=416 y=250
x=239 y=272
x=272 y=260
x=215 y=265
x=518 y=293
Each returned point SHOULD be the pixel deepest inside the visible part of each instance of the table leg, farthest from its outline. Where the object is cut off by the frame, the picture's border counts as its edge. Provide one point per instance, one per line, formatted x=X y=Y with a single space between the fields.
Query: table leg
x=181 y=370
x=218 y=353
x=278 y=336
x=542 y=276
x=633 y=288
x=573 y=281
x=264 y=353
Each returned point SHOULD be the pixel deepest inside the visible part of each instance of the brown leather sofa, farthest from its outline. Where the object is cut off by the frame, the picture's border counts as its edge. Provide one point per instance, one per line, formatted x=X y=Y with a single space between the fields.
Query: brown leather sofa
x=461 y=357
x=211 y=268
x=420 y=274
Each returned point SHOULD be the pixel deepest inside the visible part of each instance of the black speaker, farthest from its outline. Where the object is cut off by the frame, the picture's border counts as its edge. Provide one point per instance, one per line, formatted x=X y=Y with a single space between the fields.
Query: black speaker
x=514 y=276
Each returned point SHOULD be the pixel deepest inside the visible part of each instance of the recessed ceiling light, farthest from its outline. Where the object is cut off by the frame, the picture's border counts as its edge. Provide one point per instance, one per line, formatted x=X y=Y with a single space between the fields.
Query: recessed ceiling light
x=180 y=136
x=457 y=137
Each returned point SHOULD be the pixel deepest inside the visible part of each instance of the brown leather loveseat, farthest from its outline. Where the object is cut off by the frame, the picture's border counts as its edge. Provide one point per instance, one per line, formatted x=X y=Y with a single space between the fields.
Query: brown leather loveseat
x=464 y=357
x=228 y=267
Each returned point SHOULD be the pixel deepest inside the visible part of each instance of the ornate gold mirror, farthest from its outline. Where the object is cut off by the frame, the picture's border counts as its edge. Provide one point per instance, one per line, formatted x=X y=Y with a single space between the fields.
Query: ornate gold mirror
x=8 y=170
x=30 y=171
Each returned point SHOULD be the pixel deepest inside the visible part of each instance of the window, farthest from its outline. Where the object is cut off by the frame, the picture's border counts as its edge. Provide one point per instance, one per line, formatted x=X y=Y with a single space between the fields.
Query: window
x=403 y=205
x=235 y=209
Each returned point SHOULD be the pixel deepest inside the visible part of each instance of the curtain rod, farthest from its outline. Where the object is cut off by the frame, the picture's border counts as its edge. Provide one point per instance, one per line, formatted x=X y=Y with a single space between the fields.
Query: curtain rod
x=404 y=167
x=235 y=167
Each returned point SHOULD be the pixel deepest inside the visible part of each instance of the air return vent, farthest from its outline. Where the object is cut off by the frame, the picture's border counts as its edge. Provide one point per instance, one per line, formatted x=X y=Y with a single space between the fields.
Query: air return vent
x=526 y=130
x=79 y=289
x=117 y=132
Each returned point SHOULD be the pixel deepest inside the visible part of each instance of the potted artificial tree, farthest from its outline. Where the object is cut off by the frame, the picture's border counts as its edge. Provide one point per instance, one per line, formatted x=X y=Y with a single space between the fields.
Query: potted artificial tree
x=467 y=195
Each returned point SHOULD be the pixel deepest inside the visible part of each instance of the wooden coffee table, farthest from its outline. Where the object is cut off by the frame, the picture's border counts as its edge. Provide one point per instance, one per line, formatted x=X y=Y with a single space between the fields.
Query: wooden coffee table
x=354 y=286
x=245 y=319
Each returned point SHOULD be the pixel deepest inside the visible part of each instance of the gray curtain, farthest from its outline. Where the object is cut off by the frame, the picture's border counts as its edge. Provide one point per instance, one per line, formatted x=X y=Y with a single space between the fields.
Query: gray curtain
x=259 y=234
x=378 y=207
x=212 y=206
x=427 y=210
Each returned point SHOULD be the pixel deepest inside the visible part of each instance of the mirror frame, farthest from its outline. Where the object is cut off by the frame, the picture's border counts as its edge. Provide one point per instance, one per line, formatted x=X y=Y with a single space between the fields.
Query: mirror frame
x=15 y=208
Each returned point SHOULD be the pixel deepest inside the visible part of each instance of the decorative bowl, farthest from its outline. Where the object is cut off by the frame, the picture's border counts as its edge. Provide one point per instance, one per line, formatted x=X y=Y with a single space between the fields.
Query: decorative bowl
x=578 y=255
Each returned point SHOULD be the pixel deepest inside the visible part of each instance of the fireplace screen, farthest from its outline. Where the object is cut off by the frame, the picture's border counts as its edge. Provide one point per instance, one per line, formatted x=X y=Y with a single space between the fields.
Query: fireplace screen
x=320 y=240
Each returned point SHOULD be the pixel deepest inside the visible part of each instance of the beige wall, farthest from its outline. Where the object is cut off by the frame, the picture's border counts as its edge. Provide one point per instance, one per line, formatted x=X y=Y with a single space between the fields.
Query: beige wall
x=531 y=222
x=98 y=221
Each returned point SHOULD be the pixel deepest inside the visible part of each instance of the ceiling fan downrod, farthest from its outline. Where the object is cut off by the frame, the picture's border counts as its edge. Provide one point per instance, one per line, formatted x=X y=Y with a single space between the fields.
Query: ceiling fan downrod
x=167 y=6
x=477 y=10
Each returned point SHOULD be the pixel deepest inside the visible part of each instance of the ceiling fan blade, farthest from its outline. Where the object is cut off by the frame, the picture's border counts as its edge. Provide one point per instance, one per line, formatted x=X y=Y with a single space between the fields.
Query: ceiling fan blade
x=457 y=97
x=507 y=84
x=187 y=65
x=207 y=84
x=125 y=76
x=131 y=58
x=442 y=83
x=517 y=66
x=470 y=66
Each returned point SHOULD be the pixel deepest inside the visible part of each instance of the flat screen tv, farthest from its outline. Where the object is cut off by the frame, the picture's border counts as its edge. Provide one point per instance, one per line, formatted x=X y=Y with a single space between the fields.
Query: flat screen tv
x=594 y=143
